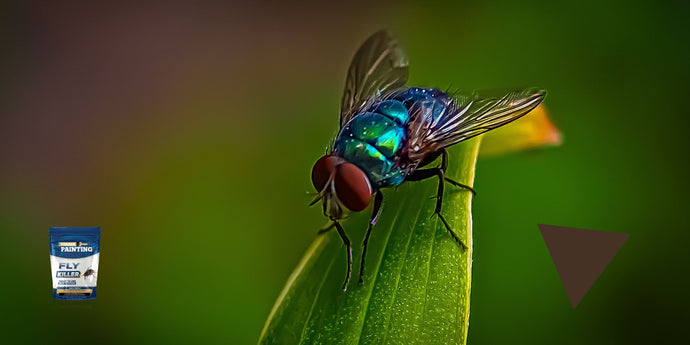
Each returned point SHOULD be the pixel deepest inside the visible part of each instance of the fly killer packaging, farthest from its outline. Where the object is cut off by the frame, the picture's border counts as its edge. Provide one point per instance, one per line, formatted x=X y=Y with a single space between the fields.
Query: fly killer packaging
x=74 y=253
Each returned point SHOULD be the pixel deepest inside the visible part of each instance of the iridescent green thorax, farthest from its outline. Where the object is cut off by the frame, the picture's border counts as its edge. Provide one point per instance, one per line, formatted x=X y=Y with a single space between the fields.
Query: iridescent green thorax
x=377 y=130
x=373 y=141
x=380 y=169
x=393 y=109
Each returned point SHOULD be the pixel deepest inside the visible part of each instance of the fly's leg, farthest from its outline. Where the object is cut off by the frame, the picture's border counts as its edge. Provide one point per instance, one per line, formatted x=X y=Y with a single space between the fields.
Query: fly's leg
x=427 y=173
x=348 y=250
x=439 y=202
x=458 y=184
x=423 y=174
x=378 y=200
x=444 y=167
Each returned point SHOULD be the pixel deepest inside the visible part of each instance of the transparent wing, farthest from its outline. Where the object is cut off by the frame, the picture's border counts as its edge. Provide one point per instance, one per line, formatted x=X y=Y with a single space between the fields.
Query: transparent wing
x=378 y=65
x=465 y=117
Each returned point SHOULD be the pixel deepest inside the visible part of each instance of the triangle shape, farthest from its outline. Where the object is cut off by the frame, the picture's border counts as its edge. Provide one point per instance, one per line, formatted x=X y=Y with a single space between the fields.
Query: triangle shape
x=580 y=256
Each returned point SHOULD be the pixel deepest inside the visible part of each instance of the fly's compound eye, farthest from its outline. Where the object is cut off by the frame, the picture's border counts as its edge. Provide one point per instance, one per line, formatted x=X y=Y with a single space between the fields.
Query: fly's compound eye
x=352 y=187
x=322 y=171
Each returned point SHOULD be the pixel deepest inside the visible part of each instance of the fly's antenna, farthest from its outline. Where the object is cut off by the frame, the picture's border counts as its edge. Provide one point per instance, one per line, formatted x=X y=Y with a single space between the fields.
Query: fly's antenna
x=322 y=192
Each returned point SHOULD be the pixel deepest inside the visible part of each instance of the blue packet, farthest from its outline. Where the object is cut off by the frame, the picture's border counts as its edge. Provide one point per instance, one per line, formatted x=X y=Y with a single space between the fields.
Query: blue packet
x=74 y=253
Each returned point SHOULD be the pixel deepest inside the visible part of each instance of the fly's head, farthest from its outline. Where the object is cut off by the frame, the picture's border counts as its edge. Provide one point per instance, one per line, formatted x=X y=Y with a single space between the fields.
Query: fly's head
x=342 y=186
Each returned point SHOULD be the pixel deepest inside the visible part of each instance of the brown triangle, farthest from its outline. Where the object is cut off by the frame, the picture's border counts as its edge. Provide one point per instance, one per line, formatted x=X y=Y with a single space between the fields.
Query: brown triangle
x=580 y=256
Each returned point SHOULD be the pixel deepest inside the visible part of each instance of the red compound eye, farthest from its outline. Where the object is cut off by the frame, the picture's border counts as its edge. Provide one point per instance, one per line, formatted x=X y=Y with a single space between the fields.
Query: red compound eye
x=352 y=187
x=323 y=168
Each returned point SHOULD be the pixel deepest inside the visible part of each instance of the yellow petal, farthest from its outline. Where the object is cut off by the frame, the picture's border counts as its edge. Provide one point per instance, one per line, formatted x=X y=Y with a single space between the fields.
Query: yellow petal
x=530 y=131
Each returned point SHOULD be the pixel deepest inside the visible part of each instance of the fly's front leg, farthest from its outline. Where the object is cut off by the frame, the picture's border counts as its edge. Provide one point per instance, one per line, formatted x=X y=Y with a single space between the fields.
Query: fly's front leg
x=348 y=250
x=378 y=200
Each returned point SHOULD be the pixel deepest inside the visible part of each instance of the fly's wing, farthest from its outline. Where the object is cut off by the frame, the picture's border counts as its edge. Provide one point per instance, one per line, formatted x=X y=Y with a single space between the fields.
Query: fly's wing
x=378 y=65
x=465 y=117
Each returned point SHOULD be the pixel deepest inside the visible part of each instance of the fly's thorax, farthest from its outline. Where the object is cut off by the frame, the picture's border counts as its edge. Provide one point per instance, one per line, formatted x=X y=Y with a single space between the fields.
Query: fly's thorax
x=377 y=130
x=374 y=140
x=393 y=109
x=381 y=170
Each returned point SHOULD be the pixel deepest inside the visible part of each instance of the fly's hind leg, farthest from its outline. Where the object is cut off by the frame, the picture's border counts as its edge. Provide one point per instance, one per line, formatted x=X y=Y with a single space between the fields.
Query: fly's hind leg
x=378 y=200
x=444 y=167
x=458 y=184
x=423 y=174
x=439 y=202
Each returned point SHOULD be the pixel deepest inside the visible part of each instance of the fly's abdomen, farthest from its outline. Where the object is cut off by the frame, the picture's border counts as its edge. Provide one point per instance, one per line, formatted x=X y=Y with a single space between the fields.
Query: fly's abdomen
x=373 y=141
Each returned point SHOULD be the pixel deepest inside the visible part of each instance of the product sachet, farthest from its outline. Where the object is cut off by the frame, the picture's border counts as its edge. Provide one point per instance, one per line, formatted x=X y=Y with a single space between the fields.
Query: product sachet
x=74 y=255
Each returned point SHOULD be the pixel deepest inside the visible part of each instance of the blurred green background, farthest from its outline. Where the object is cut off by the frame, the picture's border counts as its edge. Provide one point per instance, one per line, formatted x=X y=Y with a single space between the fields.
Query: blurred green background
x=188 y=132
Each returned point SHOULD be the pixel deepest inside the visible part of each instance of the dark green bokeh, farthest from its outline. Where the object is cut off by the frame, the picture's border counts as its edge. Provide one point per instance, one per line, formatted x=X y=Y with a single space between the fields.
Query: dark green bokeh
x=188 y=133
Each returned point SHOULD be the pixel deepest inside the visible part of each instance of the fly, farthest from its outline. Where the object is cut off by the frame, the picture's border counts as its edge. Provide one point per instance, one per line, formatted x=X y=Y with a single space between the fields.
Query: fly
x=88 y=272
x=389 y=133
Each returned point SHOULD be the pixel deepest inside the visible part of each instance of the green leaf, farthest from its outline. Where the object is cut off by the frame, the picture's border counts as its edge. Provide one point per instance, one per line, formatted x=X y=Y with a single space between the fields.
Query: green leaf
x=416 y=286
